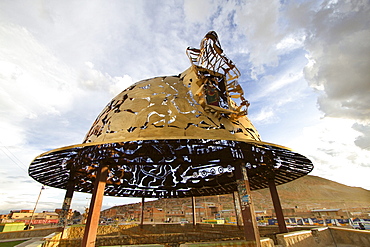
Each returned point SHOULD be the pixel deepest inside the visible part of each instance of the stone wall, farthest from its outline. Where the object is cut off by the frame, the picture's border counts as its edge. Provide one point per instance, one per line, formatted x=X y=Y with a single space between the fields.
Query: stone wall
x=108 y=230
x=208 y=235
x=133 y=234
x=52 y=240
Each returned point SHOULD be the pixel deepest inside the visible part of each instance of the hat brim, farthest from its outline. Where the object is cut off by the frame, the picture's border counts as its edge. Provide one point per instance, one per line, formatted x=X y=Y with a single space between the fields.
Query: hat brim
x=169 y=167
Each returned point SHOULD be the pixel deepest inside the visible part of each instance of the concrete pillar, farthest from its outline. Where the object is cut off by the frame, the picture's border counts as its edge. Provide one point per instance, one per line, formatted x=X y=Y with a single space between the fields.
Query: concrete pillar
x=277 y=206
x=92 y=223
x=246 y=204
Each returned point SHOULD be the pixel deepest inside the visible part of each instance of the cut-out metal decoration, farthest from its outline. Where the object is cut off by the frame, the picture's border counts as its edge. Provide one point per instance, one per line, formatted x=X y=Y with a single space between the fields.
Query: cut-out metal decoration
x=174 y=136
x=217 y=76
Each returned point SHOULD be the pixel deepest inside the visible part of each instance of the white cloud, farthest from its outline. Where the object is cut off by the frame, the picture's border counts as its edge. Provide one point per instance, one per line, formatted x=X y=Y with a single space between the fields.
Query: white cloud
x=281 y=93
x=11 y=134
x=91 y=79
x=291 y=42
x=259 y=22
x=363 y=140
x=329 y=144
x=265 y=115
x=280 y=82
x=339 y=50
x=32 y=80
x=120 y=83
x=198 y=11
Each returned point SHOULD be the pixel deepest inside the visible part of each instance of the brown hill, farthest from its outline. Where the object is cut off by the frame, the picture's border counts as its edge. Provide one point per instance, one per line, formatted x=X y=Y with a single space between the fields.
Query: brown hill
x=314 y=192
x=304 y=194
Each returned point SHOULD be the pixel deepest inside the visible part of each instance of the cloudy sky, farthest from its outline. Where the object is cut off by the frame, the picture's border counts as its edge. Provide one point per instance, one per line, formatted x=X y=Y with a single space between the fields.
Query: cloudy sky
x=305 y=70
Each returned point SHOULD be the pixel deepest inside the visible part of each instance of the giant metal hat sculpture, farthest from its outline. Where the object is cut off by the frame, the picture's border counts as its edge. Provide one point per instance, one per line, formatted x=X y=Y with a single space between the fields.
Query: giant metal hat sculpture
x=174 y=136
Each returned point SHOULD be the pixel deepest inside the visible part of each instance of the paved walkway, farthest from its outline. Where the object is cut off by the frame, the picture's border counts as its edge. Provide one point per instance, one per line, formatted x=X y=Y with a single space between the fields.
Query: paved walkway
x=12 y=239
x=28 y=242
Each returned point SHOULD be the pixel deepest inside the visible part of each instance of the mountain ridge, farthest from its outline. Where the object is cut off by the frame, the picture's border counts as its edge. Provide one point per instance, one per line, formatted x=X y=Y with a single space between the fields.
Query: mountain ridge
x=313 y=189
x=304 y=194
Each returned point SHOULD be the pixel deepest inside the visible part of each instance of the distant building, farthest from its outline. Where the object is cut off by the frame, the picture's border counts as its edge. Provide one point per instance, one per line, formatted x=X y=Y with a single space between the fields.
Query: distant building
x=222 y=207
x=20 y=214
x=59 y=211
x=37 y=218
x=331 y=213
x=261 y=213
x=4 y=216
x=48 y=215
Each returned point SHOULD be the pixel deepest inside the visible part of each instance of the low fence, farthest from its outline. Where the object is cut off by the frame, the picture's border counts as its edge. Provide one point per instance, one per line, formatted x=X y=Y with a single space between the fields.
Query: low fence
x=28 y=233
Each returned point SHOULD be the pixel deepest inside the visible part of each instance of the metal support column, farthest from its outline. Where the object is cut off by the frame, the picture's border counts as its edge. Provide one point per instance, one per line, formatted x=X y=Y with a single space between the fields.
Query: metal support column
x=92 y=223
x=249 y=218
x=277 y=206
x=142 y=212
x=63 y=218
x=193 y=208
x=237 y=208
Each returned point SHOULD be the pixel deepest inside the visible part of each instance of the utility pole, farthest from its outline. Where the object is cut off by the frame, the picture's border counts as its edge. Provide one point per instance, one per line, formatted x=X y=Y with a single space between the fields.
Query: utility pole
x=34 y=209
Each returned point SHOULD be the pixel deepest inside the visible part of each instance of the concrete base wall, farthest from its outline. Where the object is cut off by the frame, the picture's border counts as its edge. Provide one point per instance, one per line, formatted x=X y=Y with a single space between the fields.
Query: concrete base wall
x=203 y=236
x=317 y=237
x=351 y=237
x=52 y=240
x=265 y=242
x=325 y=237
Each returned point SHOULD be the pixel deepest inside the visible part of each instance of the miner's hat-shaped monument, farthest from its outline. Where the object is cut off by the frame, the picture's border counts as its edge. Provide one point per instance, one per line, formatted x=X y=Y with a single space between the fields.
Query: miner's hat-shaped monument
x=174 y=136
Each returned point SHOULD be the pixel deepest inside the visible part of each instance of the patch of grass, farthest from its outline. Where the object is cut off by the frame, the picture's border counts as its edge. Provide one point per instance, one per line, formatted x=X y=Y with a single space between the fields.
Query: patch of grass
x=76 y=225
x=11 y=244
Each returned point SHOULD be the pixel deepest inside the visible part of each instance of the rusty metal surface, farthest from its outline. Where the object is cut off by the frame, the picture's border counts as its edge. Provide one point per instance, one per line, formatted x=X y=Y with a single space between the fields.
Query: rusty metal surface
x=246 y=205
x=92 y=222
x=174 y=136
x=277 y=207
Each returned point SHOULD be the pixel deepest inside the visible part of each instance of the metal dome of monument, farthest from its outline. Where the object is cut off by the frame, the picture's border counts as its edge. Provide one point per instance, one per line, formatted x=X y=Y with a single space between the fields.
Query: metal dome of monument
x=174 y=136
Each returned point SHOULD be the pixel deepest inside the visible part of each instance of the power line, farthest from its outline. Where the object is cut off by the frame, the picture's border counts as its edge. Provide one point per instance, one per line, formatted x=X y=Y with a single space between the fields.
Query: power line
x=14 y=159
x=14 y=155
